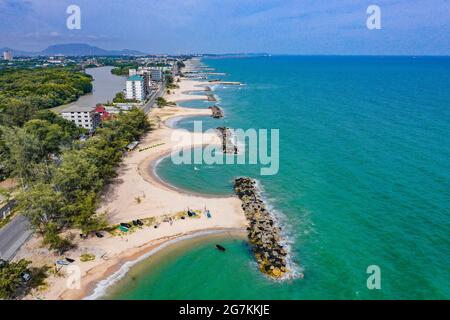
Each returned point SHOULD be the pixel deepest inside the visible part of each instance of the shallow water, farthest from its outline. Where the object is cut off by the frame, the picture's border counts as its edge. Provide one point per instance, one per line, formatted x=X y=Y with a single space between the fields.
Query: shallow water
x=363 y=180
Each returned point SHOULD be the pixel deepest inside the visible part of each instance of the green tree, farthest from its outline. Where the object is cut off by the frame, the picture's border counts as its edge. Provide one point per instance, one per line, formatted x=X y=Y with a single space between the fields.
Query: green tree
x=76 y=176
x=42 y=205
x=50 y=136
x=161 y=102
x=15 y=112
x=10 y=278
x=24 y=154
x=54 y=241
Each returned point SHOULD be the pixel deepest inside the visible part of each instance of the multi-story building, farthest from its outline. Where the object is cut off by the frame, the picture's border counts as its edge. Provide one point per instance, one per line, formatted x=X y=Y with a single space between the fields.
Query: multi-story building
x=145 y=73
x=7 y=55
x=84 y=117
x=156 y=74
x=136 y=88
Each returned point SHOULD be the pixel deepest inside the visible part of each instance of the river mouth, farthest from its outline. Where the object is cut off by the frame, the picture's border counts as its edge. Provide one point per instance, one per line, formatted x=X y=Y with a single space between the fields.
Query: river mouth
x=104 y=88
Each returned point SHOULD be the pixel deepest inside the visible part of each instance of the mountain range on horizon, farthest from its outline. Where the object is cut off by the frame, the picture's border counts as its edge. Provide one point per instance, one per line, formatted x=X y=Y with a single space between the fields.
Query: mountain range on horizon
x=74 y=49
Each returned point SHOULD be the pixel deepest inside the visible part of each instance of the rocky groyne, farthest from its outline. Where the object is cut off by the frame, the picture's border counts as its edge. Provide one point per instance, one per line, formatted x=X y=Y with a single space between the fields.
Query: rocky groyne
x=211 y=97
x=263 y=232
x=218 y=81
x=217 y=113
x=228 y=144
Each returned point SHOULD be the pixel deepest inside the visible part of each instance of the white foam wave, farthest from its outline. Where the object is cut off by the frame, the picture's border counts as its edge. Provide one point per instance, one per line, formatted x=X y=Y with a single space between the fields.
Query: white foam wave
x=295 y=271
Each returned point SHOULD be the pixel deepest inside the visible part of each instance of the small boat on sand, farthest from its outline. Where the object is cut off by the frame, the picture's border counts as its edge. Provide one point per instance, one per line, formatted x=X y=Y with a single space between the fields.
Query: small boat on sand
x=220 y=248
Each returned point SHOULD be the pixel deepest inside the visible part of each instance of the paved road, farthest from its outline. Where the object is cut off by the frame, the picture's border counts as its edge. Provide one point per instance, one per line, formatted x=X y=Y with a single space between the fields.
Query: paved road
x=152 y=101
x=13 y=236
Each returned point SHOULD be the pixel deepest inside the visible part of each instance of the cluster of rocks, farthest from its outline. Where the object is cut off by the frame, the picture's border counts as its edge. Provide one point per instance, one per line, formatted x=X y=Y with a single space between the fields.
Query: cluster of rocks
x=216 y=112
x=263 y=233
x=211 y=97
x=228 y=145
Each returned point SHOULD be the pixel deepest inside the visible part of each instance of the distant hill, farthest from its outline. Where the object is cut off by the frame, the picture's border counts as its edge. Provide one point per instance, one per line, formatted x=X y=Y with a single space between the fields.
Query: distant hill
x=75 y=49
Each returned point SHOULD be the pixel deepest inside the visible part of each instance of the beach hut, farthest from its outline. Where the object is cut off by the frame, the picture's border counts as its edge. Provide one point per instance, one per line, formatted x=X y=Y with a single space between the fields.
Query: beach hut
x=131 y=146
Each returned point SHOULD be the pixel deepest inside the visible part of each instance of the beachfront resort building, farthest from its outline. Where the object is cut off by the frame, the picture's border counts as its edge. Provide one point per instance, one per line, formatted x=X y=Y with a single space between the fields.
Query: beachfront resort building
x=136 y=88
x=83 y=117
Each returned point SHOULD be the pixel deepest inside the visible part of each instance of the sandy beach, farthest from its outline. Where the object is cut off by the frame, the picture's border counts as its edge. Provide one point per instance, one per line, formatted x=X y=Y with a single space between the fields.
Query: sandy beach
x=137 y=193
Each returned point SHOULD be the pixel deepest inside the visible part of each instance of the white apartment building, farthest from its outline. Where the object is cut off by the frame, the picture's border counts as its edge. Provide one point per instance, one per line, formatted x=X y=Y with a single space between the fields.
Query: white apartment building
x=84 y=117
x=7 y=55
x=136 y=88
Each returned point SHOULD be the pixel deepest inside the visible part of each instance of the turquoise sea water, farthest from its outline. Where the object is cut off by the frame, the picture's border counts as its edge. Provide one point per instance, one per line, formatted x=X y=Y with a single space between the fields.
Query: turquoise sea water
x=364 y=180
x=195 y=104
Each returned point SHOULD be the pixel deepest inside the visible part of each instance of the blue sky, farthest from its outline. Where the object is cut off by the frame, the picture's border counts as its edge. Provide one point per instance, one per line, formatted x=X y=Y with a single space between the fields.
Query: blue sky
x=219 y=26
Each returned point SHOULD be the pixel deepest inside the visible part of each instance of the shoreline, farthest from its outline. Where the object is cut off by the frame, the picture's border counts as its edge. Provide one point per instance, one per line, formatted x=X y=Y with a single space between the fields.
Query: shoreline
x=157 y=198
x=155 y=177
x=118 y=273
x=172 y=121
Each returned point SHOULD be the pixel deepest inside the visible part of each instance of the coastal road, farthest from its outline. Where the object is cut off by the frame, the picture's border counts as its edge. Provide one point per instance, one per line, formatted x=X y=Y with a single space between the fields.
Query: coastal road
x=152 y=100
x=13 y=236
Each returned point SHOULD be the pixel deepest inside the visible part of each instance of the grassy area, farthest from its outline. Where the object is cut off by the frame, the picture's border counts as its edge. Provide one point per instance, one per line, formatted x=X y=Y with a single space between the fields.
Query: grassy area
x=85 y=257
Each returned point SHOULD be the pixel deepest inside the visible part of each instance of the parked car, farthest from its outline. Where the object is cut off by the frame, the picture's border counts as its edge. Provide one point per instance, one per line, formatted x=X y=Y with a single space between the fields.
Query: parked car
x=25 y=276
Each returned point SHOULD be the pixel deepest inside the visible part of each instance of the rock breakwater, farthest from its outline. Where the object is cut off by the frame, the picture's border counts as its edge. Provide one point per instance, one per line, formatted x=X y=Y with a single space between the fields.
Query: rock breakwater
x=217 y=113
x=263 y=232
x=210 y=97
x=228 y=144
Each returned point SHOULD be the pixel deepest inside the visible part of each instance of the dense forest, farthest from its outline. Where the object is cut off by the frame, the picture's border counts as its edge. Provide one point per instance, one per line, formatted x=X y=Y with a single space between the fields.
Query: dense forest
x=25 y=91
